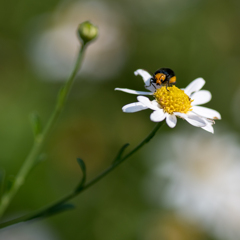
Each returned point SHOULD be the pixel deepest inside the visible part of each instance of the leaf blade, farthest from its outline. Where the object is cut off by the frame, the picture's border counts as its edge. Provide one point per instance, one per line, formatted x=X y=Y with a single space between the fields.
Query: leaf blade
x=82 y=165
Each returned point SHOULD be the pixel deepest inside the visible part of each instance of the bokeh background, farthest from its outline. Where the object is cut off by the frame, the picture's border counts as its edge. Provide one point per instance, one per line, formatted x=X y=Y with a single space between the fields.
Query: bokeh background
x=185 y=184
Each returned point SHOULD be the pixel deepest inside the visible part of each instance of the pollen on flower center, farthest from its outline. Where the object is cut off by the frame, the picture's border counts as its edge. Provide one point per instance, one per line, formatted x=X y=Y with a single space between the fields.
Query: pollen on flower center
x=173 y=99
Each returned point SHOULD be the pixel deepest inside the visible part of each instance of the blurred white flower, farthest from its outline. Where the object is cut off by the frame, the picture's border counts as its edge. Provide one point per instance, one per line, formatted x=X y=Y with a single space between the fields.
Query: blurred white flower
x=54 y=44
x=203 y=180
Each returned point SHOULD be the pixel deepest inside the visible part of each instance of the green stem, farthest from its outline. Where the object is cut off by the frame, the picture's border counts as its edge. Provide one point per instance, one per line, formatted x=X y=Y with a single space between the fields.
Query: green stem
x=33 y=155
x=47 y=210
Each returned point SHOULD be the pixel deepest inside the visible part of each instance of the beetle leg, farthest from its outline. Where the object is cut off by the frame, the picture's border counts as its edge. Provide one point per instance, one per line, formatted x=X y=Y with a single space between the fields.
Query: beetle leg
x=167 y=85
x=151 y=81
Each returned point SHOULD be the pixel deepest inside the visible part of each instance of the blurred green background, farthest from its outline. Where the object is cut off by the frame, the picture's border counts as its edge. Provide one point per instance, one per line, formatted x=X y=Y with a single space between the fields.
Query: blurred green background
x=38 y=45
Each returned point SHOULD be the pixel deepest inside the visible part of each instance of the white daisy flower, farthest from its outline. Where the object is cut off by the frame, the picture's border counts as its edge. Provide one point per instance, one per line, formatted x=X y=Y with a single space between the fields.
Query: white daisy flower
x=172 y=102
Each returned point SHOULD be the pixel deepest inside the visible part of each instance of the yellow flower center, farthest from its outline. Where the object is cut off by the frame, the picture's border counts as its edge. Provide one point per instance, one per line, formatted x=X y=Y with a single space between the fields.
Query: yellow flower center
x=173 y=99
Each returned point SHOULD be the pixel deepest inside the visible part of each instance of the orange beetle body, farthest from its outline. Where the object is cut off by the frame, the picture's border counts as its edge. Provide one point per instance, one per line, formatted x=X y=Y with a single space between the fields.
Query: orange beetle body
x=163 y=77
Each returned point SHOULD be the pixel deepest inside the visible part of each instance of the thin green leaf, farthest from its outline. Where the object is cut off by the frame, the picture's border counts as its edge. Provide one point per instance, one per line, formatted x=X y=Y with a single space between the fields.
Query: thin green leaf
x=36 y=124
x=53 y=210
x=84 y=175
x=58 y=208
x=120 y=153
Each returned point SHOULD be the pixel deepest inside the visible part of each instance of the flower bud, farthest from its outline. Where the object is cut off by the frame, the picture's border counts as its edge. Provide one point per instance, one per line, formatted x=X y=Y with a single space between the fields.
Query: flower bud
x=87 y=32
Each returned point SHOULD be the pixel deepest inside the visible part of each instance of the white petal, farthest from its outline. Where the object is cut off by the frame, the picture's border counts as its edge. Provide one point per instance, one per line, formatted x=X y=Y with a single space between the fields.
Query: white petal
x=208 y=128
x=194 y=86
x=150 y=87
x=157 y=116
x=144 y=74
x=193 y=119
x=171 y=120
x=146 y=102
x=155 y=103
x=206 y=112
x=146 y=78
x=133 y=91
x=134 y=107
x=201 y=97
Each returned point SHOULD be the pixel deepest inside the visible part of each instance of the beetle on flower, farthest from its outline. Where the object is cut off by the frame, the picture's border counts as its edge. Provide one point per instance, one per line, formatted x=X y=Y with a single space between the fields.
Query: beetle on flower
x=172 y=102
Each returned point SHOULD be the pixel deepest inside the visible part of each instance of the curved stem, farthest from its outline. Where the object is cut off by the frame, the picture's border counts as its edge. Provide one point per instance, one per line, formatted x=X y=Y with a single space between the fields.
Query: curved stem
x=33 y=155
x=141 y=144
x=48 y=210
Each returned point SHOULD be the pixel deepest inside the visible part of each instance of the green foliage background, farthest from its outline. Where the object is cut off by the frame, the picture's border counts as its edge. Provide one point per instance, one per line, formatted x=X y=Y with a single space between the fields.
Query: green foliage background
x=197 y=38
